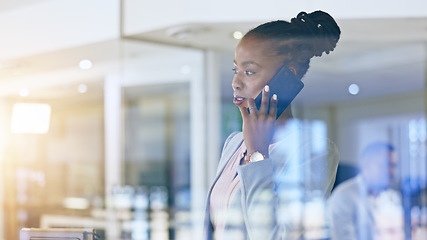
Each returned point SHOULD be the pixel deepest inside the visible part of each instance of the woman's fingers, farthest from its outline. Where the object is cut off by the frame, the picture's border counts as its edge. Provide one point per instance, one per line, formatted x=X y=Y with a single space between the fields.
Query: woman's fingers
x=264 y=100
x=273 y=106
x=252 y=107
x=258 y=125
x=268 y=106
x=244 y=112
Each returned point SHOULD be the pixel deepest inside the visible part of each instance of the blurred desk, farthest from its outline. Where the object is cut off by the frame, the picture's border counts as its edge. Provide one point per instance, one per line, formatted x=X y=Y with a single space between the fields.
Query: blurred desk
x=111 y=227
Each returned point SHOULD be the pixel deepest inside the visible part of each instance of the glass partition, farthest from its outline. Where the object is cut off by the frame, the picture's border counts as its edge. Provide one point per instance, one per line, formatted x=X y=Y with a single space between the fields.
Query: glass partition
x=362 y=93
x=157 y=161
x=129 y=149
x=116 y=154
x=57 y=173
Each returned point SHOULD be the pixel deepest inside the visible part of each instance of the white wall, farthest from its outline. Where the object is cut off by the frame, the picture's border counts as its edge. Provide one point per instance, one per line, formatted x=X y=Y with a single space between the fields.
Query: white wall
x=52 y=25
x=141 y=16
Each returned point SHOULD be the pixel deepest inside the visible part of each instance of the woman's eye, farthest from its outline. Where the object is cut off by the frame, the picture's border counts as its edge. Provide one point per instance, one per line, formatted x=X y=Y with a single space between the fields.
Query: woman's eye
x=249 y=73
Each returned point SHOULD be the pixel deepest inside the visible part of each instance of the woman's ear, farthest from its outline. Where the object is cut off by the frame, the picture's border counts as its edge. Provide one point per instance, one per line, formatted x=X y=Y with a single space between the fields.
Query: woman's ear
x=292 y=67
x=294 y=70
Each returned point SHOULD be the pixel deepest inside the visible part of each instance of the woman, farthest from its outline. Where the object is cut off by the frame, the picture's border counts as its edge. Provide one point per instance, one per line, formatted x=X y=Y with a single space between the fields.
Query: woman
x=243 y=202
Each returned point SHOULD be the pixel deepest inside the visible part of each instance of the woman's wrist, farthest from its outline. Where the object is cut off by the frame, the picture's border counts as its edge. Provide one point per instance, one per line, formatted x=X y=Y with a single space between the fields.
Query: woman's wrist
x=252 y=151
x=254 y=157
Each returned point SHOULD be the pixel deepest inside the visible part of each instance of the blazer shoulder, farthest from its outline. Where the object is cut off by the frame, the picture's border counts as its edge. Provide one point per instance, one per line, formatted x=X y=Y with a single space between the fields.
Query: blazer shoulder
x=233 y=137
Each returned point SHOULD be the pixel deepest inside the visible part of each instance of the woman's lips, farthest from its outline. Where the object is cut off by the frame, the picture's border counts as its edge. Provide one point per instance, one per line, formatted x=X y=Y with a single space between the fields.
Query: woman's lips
x=238 y=100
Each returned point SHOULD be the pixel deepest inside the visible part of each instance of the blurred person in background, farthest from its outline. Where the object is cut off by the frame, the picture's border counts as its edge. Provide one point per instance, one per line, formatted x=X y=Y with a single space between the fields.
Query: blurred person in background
x=367 y=207
x=242 y=202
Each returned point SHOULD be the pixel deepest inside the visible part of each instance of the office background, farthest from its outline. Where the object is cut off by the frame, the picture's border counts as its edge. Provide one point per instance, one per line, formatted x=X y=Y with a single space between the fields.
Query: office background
x=137 y=98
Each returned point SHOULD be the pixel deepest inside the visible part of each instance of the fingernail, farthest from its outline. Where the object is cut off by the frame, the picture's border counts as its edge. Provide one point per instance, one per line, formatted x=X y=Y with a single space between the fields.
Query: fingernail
x=274 y=97
x=266 y=88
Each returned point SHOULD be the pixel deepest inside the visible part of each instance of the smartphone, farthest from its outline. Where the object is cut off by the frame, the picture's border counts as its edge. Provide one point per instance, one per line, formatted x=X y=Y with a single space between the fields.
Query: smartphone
x=286 y=86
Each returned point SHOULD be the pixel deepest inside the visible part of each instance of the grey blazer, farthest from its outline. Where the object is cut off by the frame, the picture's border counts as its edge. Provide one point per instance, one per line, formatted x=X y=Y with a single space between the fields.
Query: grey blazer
x=254 y=210
x=255 y=178
x=349 y=213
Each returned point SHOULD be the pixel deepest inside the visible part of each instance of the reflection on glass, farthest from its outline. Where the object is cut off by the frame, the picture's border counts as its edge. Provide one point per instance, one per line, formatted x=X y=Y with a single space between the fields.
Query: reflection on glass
x=157 y=161
x=386 y=199
x=30 y=118
x=302 y=158
x=304 y=180
x=56 y=179
x=414 y=181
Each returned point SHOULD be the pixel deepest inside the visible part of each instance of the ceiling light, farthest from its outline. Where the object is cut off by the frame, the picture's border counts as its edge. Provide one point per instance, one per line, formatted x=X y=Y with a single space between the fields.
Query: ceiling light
x=237 y=35
x=85 y=64
x=24 y=92
x=82 y=88
x=353 y=89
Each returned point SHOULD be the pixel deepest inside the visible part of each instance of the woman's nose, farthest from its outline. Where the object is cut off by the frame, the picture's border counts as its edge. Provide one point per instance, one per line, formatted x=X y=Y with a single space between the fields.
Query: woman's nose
x=236 y=83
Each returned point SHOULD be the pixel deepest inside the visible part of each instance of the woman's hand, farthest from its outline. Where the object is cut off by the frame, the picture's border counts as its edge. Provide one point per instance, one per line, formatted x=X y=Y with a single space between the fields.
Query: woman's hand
x=258 y=125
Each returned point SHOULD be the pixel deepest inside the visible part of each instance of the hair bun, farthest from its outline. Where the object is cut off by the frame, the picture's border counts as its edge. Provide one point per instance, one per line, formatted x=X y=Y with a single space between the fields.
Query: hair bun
x=321 y=30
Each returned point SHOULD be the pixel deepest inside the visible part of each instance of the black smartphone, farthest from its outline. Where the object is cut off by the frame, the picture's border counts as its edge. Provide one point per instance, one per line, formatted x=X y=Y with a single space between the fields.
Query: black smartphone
x=286 y=86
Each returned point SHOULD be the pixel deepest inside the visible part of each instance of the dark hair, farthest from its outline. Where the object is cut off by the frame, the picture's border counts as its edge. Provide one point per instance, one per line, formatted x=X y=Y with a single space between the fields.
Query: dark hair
x=305 y=36
x=375 y=149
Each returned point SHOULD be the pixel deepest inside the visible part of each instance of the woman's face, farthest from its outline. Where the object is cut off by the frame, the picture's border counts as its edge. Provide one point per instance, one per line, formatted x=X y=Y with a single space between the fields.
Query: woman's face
x=255 y=63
